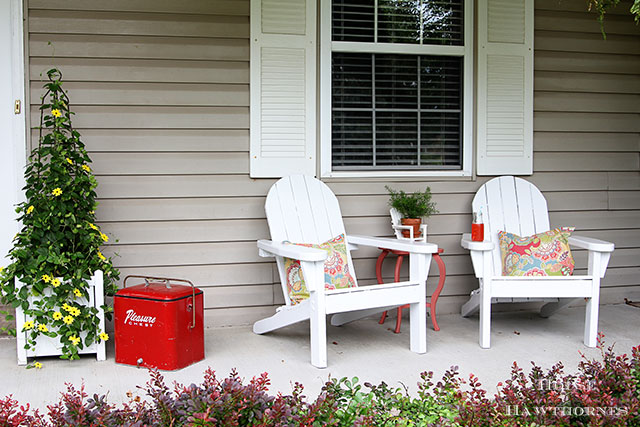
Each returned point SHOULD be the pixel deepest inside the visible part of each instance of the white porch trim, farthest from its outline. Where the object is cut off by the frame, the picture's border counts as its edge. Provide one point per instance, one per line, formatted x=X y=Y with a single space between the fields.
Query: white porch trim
x=12 y=125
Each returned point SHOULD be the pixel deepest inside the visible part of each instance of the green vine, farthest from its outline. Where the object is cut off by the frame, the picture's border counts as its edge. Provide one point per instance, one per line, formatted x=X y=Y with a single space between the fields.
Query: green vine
x=58 y=248
x=602 y=6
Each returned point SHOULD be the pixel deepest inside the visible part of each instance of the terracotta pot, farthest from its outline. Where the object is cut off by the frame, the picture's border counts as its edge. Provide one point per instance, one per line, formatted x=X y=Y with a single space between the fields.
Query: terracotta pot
x=415 y=222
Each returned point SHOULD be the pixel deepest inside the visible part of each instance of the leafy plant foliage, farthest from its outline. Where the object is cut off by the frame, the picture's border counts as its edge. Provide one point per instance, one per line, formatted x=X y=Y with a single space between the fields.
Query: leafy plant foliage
x=604 y=392
x=414 y=205
x=58 y=249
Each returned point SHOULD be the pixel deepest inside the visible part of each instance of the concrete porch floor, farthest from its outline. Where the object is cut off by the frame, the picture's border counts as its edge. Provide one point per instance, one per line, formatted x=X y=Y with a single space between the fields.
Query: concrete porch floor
x=364 y=349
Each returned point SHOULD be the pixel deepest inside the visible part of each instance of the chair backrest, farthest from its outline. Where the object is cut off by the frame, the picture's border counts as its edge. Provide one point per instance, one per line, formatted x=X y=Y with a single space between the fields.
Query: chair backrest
x=513 y=205
x=302 y=209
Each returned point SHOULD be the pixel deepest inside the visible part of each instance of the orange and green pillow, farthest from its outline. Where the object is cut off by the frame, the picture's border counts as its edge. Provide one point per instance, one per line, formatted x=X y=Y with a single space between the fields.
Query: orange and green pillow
x=543 y=254
x=336 y=269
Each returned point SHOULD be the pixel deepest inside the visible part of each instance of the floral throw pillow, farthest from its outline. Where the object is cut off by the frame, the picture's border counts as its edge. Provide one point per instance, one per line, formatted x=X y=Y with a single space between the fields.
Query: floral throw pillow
x=543 y=254
x=336 y=269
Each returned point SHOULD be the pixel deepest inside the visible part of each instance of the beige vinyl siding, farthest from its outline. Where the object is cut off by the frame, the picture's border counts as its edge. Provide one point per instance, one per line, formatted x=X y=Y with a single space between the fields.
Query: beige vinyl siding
x=161 y=92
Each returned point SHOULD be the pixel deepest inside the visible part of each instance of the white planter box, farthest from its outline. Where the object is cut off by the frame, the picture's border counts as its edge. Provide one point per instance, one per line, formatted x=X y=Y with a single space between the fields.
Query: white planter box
x=46 y=346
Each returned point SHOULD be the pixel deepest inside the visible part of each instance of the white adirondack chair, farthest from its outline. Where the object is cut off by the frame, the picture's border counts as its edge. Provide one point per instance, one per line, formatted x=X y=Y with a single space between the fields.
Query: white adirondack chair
x=517 y=206
x=302 y=209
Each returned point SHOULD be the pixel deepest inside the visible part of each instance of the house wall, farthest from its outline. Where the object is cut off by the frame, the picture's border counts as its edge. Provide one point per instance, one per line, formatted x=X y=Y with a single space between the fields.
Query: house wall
x=161 y=95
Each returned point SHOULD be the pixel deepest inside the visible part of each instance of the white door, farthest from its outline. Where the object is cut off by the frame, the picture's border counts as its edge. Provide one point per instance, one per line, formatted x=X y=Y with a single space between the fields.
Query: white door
x=12 y=122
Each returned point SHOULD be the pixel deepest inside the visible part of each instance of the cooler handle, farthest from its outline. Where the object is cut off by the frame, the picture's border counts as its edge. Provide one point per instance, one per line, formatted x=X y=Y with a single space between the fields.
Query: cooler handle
x=167 y=283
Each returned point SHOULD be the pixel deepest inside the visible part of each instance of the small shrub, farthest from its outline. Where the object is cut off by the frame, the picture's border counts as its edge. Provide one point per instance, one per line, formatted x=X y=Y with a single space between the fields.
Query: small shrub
x=604 y=392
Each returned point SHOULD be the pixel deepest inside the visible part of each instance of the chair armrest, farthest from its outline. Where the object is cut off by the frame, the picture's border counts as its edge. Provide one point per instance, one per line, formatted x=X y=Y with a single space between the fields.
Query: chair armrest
x=591 y=244
x=469 y=244
x=394 y=244
x=267 y=248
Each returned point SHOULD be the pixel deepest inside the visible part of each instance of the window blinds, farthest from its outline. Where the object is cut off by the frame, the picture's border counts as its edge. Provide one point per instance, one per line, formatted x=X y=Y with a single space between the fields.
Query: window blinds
x=396 y=111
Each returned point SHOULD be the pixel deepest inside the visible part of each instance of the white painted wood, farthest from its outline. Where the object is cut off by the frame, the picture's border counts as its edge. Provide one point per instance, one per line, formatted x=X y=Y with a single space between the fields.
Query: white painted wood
x=304 y=208
x=505 y=87
x=418 y=271
x=517 y=206
x=283 y=87
x=12 y=126
x=284 y=316
x=46 y=346
x=466 y=51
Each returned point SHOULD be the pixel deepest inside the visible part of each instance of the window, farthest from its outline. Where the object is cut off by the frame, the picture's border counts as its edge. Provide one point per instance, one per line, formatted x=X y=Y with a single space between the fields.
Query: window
x=400 y=77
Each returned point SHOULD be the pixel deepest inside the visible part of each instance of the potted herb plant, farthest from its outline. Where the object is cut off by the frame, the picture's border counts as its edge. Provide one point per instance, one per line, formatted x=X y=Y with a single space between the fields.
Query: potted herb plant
x=413 y=207
x=58 y=276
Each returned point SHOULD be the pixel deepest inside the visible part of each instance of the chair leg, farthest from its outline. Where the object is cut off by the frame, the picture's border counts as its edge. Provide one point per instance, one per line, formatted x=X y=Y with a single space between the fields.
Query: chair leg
x=381 y=258
x=318 y=332
x=593 y=303
x=418 y=269
x=591 y=320
x=591 y=324
x=485 y=319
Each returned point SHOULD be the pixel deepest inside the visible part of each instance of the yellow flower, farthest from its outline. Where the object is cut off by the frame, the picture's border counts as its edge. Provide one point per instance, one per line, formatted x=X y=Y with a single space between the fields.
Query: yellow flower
x=69 y=161
x=75 y=312
x=37 y=365
x=46 y=278
x=30 y=209
x=103 y=336
x=74 y=340
x=42 y=328
x=93 y=226
x=104 y=237
x=77 y=292
x=56 y=191
x=55 y=283
x=68 y=320
x=66 y=307
x=86 y=168
x=57 y=315
x=56 y=113
x=28 y=325
x=102 y=257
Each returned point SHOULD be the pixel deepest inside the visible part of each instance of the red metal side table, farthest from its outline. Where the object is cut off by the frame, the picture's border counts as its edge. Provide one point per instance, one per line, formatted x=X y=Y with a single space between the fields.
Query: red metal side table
x=434 y=298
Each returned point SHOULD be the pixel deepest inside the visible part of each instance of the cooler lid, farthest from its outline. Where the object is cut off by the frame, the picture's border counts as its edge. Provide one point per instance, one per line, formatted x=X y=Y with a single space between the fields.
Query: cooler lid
x=157 y=292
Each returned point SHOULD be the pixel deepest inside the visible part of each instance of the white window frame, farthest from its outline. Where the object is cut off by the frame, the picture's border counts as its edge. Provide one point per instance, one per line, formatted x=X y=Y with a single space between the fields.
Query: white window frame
x=327 y=46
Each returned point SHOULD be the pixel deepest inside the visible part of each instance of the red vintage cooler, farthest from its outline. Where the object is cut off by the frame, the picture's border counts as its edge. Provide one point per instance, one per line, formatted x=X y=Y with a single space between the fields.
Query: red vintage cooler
x=159 y=324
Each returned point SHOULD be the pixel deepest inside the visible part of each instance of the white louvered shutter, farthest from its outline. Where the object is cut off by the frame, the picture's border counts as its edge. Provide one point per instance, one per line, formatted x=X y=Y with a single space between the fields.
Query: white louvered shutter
x=505 y=87
x=283 y=86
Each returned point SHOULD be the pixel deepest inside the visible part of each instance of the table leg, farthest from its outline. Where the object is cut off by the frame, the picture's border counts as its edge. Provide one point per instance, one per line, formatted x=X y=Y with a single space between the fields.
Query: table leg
x=396 y=277
x=434 y=298
x=381 y=258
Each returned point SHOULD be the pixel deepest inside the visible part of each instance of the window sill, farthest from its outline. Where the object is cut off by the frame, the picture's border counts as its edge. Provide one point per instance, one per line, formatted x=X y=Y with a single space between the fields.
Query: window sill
x=396 y=174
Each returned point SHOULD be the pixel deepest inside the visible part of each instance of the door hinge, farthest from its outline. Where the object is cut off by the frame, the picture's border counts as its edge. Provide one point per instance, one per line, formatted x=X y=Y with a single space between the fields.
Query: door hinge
x=17 y=106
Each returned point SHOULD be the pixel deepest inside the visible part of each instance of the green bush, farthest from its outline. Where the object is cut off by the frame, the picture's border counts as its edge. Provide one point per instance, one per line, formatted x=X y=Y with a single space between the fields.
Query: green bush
x=604 y=392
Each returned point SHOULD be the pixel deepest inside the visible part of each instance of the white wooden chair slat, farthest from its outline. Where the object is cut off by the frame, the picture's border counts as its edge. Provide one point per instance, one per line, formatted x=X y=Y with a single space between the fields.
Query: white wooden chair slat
x=510 y=206
x=517 y=206
x=525 y=208
x=309 y=227
x=319 y=212
x=327 y=215
x=276 y=222
x=332 y=209
x=495 y=220
x=540 y=210
x=302 y=209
